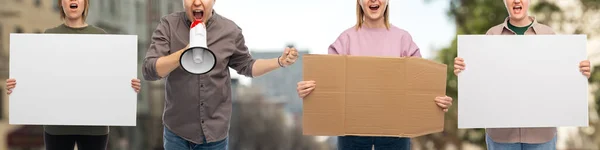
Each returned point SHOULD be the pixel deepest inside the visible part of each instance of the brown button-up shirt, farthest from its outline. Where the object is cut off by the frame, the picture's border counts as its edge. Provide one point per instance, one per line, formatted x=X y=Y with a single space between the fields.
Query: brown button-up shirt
x=198 y=106
x=522 y=135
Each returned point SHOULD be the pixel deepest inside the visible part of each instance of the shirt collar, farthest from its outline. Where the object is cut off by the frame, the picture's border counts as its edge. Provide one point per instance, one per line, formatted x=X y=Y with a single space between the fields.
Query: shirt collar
x=534 y=24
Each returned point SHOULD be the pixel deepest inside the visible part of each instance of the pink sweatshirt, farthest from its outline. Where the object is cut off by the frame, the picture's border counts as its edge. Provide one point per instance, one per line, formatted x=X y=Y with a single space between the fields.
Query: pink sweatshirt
x=375 y=42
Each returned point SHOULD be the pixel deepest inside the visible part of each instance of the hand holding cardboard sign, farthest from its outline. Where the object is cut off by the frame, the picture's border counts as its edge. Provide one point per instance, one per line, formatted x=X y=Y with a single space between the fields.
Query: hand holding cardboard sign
x=584 y=67
x=10 y=84
x=459 y=65
x=444 y=102
x=305 y=87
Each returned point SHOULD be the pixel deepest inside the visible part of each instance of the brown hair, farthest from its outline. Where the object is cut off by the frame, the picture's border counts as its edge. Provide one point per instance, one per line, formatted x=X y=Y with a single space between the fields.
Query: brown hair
x=360 y=15
x=62 y=11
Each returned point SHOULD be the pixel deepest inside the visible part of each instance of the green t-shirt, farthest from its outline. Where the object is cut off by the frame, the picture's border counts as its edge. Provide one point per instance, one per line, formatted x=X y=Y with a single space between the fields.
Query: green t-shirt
x=518 y=30
x=75 y=130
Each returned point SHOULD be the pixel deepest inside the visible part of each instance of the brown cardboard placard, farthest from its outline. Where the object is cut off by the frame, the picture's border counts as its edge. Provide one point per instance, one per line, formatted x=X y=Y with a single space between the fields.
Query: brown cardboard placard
x=373 y=96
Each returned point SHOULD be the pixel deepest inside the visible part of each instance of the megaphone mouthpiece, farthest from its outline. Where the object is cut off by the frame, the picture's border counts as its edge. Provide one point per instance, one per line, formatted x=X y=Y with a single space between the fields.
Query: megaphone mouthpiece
x=196 y=22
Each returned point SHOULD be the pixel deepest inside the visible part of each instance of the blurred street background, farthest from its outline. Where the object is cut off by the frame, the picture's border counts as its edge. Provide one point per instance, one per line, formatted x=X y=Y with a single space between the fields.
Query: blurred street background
x=267 y=113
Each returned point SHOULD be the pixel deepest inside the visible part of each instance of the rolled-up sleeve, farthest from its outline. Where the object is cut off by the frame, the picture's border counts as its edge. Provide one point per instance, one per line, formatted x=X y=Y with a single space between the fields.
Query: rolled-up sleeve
x=159 y=47
x=241 y=60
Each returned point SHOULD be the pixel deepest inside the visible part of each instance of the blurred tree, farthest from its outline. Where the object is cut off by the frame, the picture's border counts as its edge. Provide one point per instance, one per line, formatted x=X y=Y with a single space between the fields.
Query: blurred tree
x=569 y=17
x=476 y=17
x=577 y=17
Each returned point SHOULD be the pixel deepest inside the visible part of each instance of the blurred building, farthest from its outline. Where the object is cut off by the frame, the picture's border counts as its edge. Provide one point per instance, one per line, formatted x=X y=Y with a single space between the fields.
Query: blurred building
x=281 y=83
x=21 y=16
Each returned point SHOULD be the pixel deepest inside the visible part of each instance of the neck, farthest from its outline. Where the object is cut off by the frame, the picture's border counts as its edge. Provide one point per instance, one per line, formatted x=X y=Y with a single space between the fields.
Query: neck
x=374 y=23
x=75 y=23
x=521 y=23
x=209 y=17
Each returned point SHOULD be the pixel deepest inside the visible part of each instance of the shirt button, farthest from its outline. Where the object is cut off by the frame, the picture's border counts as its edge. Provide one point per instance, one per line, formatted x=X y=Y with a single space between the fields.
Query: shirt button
x=201 y=85
x=202 y=121
x=201 y=104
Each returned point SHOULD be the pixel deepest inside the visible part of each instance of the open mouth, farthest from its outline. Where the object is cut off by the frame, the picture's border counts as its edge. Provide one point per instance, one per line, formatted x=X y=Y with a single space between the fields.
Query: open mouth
x=517 y=9
x=198 y=14
x=73 y=6
x=374 y=7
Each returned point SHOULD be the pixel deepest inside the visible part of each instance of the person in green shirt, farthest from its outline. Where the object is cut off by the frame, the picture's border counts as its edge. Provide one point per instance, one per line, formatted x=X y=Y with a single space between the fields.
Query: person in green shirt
x=519 y=22
x=74 y=13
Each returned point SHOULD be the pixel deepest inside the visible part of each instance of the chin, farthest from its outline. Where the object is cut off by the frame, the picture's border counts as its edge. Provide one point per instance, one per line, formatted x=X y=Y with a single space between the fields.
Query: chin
x=373 y=16
x=73 y=17
x=518 y=17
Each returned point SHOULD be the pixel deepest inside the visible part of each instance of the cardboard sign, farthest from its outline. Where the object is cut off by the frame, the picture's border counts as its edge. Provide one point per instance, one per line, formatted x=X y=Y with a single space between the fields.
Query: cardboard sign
x=373 y=96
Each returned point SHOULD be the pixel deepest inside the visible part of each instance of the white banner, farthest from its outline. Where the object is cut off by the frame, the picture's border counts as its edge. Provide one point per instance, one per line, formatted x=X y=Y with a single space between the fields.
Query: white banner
x=73 y=79
x=522 y=81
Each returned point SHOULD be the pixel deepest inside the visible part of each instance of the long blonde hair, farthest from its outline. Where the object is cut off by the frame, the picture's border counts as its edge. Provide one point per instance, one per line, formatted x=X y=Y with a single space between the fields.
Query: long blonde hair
x=360 y=15
x=83 y=16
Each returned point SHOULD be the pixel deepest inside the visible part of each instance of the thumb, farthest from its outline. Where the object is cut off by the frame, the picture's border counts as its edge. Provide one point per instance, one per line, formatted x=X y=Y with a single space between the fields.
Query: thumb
x=286 y=51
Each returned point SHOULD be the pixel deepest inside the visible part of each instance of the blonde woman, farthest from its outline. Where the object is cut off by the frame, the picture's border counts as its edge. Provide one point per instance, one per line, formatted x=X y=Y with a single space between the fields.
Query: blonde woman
x=373 y=35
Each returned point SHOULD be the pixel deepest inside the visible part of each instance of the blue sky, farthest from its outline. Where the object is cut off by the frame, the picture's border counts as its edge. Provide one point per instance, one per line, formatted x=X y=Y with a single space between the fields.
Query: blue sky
x=314 y=24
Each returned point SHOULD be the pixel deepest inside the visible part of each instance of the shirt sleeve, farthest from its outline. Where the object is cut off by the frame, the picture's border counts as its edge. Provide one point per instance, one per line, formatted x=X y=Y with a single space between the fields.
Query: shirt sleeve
x=412 y=49
x=159 y=47
x=241 y=60
x=339 y=46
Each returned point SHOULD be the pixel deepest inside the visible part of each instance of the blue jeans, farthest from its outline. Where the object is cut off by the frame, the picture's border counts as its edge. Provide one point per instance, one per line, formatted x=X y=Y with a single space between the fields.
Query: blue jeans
x=174 y=142
x=491 y=145
x=367 y=143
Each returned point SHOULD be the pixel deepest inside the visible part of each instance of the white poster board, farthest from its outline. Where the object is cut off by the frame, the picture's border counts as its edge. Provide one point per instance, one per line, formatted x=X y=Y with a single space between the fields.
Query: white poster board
x=522 y=81
x=73 y=79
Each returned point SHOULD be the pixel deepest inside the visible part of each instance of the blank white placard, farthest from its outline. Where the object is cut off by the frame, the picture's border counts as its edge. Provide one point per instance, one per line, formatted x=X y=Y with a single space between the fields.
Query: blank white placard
x=522 y=81
x=73 y=79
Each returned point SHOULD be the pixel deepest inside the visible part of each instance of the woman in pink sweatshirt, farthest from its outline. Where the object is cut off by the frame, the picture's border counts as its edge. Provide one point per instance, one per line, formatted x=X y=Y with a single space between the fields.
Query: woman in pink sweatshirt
x=373 y=35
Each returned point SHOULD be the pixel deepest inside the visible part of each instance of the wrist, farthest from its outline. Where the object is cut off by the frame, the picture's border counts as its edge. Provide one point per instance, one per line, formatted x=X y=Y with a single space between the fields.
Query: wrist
x=279 y=62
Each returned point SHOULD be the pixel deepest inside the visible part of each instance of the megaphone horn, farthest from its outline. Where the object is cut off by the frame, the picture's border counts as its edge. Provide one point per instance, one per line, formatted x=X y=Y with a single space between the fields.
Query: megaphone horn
x=194 y=60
